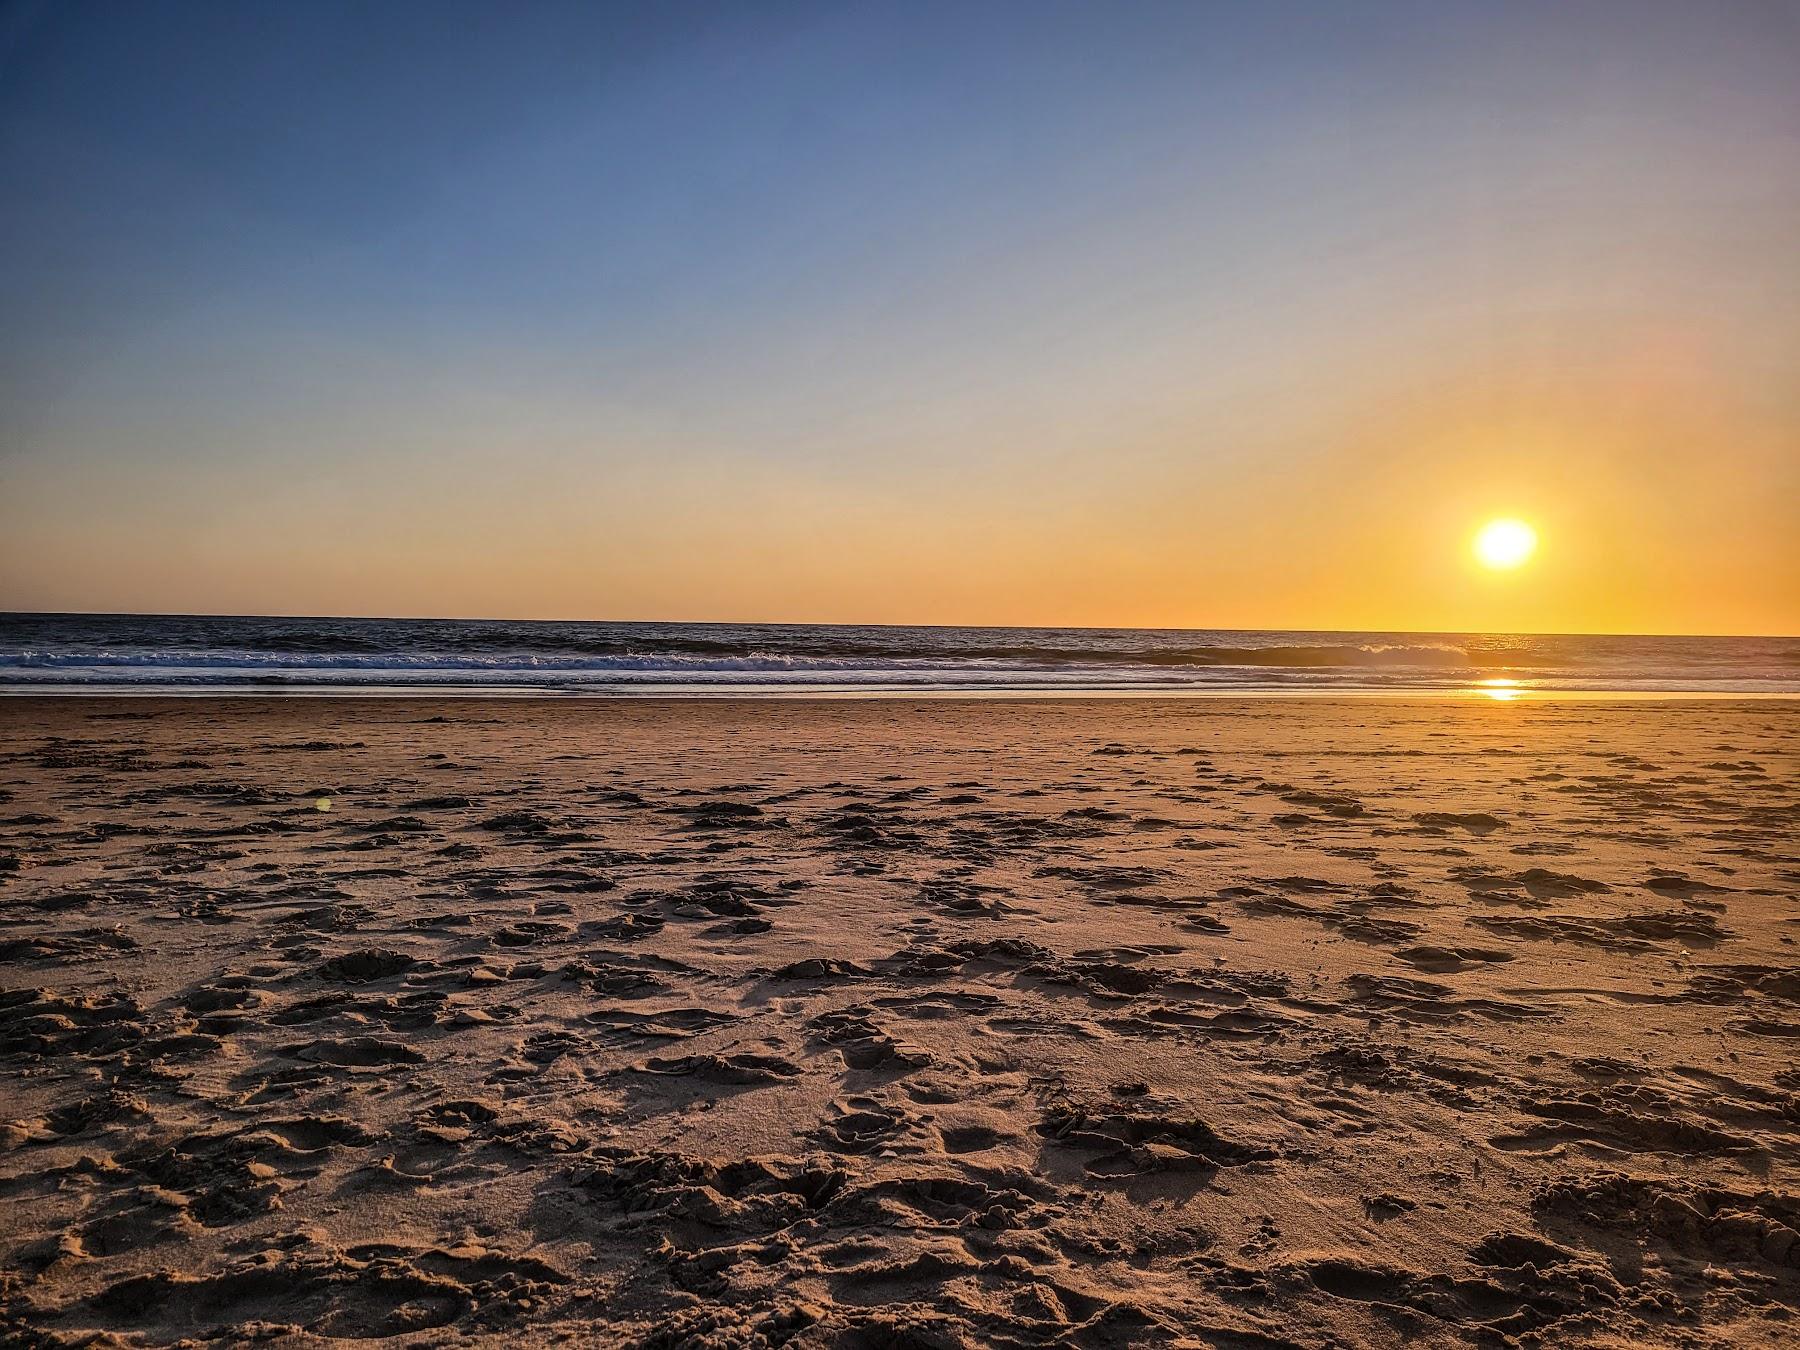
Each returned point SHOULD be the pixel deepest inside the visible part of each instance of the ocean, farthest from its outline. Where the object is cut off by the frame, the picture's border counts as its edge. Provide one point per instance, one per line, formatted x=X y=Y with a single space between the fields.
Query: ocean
x=87 y=653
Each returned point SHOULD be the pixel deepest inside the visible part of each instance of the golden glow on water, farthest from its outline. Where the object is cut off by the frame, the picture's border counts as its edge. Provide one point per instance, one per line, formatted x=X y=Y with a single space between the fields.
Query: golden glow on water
x=1506 y=543
x=1499 y=688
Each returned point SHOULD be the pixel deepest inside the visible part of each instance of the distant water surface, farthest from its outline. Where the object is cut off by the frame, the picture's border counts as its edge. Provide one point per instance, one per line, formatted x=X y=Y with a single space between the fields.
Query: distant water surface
x=78 y=653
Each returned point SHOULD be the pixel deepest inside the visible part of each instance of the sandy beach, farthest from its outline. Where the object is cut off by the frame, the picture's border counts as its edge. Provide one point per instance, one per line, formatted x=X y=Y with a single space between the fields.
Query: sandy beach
x=1206 y=1022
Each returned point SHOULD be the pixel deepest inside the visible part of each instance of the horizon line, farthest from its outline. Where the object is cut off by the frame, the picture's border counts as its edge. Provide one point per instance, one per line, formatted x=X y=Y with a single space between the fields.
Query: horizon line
x=802 y=623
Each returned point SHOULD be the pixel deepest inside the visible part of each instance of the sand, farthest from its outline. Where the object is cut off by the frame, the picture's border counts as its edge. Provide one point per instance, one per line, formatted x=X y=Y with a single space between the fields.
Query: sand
x=900 y=1023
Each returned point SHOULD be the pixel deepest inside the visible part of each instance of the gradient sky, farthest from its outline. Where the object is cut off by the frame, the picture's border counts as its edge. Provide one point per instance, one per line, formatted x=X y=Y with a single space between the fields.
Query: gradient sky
x=1110 y=313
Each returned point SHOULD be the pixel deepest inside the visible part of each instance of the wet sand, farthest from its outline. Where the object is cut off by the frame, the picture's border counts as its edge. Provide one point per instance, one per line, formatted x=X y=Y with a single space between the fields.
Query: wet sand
x=900 y=1023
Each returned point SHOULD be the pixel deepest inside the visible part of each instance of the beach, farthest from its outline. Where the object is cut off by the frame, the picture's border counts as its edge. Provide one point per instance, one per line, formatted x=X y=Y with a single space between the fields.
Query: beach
x=900 y=1022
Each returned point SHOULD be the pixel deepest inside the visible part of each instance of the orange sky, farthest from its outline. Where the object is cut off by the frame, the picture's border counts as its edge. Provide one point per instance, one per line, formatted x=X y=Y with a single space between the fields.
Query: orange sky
x=1365 y=527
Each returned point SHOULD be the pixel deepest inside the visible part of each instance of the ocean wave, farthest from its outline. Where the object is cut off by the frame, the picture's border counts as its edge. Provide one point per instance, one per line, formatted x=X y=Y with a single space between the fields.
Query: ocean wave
x=726 y=656
x=146 y=652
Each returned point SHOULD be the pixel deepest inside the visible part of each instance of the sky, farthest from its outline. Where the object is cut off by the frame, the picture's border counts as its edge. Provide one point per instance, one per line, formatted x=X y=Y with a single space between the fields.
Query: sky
x=1115 y=314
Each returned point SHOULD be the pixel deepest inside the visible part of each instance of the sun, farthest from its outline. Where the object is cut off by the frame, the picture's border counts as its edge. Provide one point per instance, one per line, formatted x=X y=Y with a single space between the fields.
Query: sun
x=1505 y=543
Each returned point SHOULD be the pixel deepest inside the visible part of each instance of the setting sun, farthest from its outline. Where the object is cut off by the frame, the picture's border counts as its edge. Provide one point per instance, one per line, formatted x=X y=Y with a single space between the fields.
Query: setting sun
x=1505 y=543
